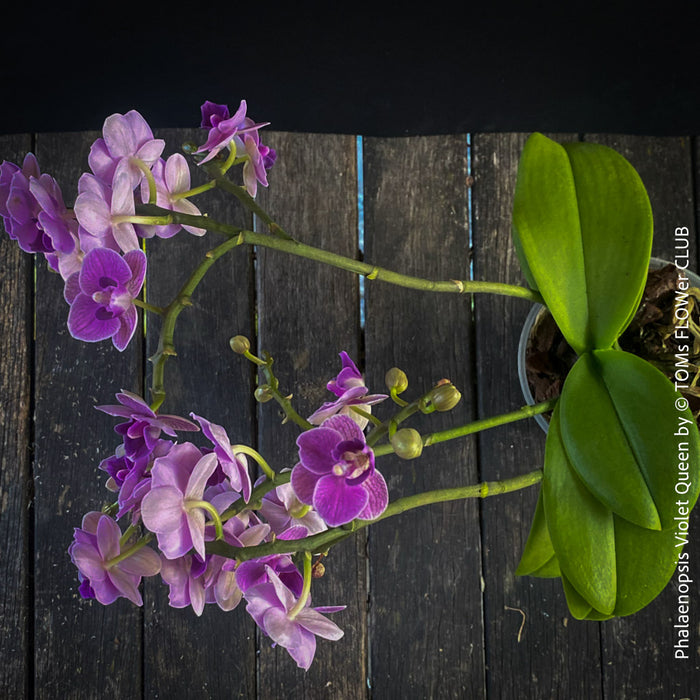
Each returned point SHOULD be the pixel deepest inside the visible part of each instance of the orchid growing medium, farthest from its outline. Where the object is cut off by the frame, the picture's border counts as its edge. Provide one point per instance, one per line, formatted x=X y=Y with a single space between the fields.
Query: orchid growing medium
x=221 y=525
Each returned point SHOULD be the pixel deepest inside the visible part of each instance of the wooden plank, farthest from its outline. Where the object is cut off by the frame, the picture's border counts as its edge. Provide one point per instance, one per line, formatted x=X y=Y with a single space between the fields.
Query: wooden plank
x=307 y=314
x=426 y=618
x=638 y=651
x=16 y=435
x=82 y=648
x=212 y=656
x=535 y=649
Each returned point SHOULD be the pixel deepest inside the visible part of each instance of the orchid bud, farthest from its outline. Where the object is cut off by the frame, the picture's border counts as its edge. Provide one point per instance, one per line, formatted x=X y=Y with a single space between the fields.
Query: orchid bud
x=318 y=569
x=445 y=396
x=396 y=379
x=263 y=393
x=239 y=344
x=407 y=443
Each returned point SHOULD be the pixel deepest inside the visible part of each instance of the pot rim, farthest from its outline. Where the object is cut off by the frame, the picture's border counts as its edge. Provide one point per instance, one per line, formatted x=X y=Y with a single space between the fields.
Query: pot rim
x=531 y=318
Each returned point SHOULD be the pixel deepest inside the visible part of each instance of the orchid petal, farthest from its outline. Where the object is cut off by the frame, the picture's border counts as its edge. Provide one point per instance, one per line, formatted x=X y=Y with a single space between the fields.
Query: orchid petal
x=337 y=502
x=83 y=323
x=315 y=447
x=376 y=488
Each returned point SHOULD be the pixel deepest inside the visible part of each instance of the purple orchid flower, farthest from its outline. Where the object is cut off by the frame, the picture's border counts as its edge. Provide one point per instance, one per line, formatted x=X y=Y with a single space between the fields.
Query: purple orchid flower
x=172 y=177
x=349 y=387
x=30 y=168
x=260 y=159
x=256 y=571
x=19 y=208
x=35 y=215
x=54 y=218
x=142 y=429
x=172 y=509
x=185 y=578
x=336 y=473
x=125 y=138
x=213 y=113
x=223 y=130
x=235 y=466
x=195 y=580
x=220 y=578
x=93 y=550
x=284 y=512
x=101 y=210
x=131 y=478
x=101 y=296
x=270 y=605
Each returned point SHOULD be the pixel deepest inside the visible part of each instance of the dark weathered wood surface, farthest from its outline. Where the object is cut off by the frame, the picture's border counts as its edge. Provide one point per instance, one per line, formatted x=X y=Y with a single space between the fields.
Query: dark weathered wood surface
x=16 y=438
x=434 y=608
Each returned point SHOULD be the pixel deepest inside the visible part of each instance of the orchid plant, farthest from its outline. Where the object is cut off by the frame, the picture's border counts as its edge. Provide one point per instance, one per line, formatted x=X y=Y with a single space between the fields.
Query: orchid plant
x=192 y=511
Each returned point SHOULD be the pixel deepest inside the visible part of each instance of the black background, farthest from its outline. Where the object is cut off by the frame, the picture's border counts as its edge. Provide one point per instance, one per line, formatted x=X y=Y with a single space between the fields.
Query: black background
x=430 y=68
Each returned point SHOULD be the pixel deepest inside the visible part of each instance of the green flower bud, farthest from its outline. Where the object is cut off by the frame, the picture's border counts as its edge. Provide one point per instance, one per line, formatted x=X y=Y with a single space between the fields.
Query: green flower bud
x=445 y=397
x=263 y=393
x=239 y=344
x=407 y=443
x=396 y=379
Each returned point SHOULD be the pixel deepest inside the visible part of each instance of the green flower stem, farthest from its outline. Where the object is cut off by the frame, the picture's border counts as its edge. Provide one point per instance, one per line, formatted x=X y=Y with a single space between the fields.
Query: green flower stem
x=128 y=552
x=396 y=399
x=194 y=191
x=283 y=401
x=256 y=495
x=306 y=589
x=231 y=160
x=139 y=219
x=127 y=534
x=166 y=346
x=323 y=540
x=367 y=416
x=254 y=359
x=216 y=518
x=406 y=412
x=149 y=307
x=249 y=202
x=152 y=190
x=269 y=471
x=373 y=272
x=477 y=426
x=282 y=242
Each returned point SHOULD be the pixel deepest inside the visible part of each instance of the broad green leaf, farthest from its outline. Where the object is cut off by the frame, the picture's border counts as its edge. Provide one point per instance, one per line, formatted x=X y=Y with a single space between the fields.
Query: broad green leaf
x=538 y=558
x=646 y=560
x=609 y=566
x=579 y=607
x=618 y=418
x=580 y=526
x=582 y=227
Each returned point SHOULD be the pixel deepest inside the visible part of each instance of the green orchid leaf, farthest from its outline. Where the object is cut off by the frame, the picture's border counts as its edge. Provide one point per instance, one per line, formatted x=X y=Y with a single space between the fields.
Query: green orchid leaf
x=582 y=227
x=580 y=526
x=609 y=566
x=579 y=607
x=538 y=558
x=646 y=560
x=618 y=421
x=595 y=616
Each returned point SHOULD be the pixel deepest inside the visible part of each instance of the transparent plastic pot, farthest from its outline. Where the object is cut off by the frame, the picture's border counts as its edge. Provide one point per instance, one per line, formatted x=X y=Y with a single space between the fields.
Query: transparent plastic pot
x=532 y=319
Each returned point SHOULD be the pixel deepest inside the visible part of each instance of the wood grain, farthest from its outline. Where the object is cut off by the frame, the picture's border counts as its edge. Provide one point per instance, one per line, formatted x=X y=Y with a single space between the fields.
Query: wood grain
x=16 y=437
x=434 y=607
x=80 y=646
x=534 y=659
x=212 y=656
x=426 y=622
x=307 y=314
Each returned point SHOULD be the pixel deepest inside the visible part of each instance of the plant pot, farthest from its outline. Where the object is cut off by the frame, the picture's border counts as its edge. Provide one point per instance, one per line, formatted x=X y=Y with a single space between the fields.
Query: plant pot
x=539 y=320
